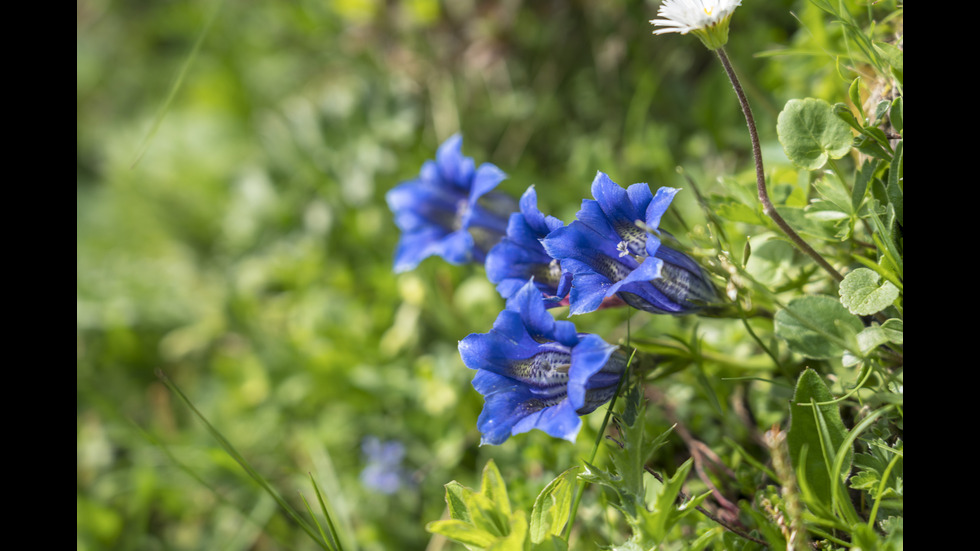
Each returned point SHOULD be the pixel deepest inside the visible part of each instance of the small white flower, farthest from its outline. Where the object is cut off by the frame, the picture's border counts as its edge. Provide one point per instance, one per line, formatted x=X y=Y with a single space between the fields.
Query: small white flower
x=707 y=19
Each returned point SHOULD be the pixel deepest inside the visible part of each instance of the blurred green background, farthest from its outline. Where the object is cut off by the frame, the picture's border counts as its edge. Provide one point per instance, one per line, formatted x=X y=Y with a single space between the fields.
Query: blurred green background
x=232 y=160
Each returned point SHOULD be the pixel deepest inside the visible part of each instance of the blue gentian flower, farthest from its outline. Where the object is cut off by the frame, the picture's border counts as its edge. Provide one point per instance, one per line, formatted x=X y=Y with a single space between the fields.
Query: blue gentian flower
x=538 y=373
x=520 y=256
x=614 y=248
x=383 y=472
x=450 y=209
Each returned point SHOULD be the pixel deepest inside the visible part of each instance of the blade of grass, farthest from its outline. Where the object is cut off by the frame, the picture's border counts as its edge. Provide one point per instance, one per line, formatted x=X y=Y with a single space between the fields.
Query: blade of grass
x=177 y=83
x=335 y=539
x=845 y=507
x=231 y=451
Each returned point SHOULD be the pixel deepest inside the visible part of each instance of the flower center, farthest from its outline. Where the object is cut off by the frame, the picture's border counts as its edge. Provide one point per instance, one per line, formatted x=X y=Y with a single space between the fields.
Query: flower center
x=549 y=273
x=545 y=373
x=634 y=241
x=462 y=213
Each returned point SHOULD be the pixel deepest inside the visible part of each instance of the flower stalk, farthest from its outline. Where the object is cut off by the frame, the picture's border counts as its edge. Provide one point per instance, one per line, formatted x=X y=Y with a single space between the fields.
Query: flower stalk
x=767 y=207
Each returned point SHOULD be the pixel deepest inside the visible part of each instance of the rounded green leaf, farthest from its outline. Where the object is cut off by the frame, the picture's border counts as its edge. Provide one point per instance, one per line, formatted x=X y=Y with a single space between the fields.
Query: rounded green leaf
x=816 y=326
x=811 y=133
x=863 y=292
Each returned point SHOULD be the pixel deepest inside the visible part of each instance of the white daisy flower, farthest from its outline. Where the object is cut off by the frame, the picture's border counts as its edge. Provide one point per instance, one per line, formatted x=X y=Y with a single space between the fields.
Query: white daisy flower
x=707 y=19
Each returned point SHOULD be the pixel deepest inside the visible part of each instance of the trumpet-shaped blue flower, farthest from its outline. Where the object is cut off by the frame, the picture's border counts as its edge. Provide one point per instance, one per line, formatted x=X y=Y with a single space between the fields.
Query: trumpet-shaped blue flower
x=450 y=209
x=520 y=256
x=538 y=373
x=614 y=248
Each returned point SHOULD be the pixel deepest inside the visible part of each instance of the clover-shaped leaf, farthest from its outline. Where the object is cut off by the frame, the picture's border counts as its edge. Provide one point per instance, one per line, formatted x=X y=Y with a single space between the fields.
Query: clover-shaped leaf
x=863 y=292
x=811 y=133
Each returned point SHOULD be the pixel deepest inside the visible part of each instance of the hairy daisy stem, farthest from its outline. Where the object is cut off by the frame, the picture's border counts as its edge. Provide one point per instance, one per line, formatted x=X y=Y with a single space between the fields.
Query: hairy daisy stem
x=760 y=175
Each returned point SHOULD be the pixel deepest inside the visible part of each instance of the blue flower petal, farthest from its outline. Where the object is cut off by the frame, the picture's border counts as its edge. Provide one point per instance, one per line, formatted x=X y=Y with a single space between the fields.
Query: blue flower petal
x=520 y=255
x=449 y=210
x=614 y=248
x=588 y=358
x=536 y=372
x=560 y=421
x=658 y=206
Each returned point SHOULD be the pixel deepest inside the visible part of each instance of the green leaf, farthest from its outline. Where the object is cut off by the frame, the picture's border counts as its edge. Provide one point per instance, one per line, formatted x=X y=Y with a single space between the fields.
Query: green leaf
x=863 y=292
x=550 y=543
x=864 y=480
x=456 y=501
x=894 y=329
x=854 y=94
x=811 y=133
x=462 y=532
x=891 y=54
x=657 y=523
x=636 y=449
x=817 y=326
x=486 y=515
x=835 y=194
x=897 y=114
x=494 y=488
x=861 y=181
x=552 y=507
x=819 y=430
x=896 y=184
x=516 y=536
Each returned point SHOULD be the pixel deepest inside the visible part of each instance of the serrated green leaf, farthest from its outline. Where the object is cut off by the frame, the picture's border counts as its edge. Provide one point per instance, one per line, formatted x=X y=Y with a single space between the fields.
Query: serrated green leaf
x=552 y=507
x=657 y=522
x=864 y=480
x=516 y=537
x=811 y=133
x=595 y=475
x=494 y=489
x=820 y=432
x=485 y=514
x=630 y=460
x=461 y=532
x=863 y=292
x=456 y=501
x=817 y=326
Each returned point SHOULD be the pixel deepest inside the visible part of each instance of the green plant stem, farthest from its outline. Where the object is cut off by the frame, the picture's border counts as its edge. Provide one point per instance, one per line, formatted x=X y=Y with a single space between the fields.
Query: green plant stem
x=760 y=175
x=595 y=448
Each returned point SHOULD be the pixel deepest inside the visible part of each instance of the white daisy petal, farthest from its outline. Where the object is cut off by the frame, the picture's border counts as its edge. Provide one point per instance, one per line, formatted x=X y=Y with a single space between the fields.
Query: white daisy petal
x=708 y=19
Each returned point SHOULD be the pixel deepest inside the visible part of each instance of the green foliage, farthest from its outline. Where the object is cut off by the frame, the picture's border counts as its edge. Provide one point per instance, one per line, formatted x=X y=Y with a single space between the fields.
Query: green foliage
x=816 y=434
x=863 y=292
x=817 y=327
x=811 y=134
x=650 y=521
x=485 y=520
x=232 y=162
